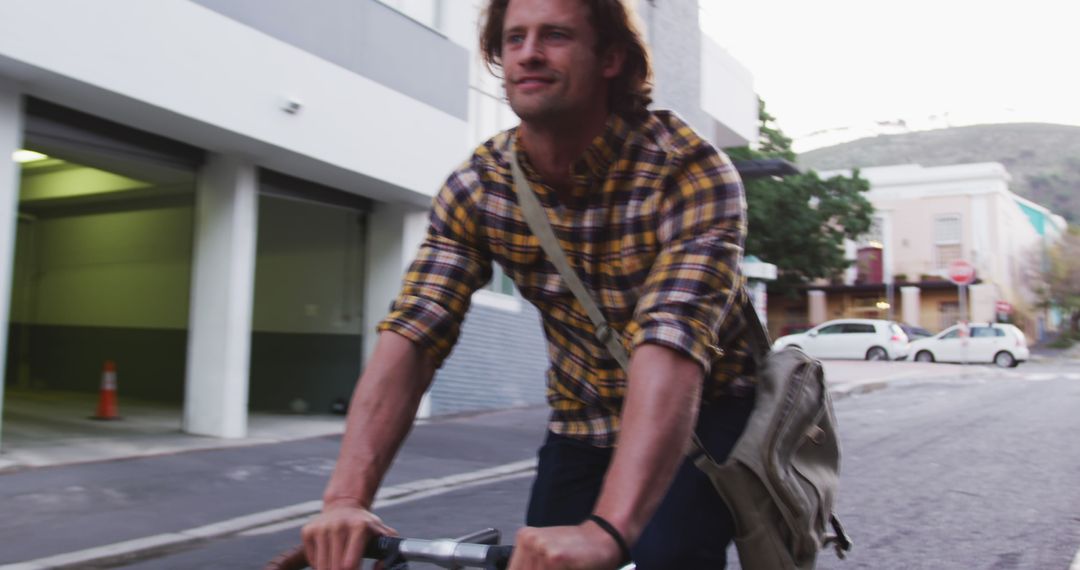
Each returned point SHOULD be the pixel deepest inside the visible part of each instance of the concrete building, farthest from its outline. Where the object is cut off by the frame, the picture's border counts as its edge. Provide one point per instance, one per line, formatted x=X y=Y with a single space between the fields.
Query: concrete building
x=222 y=196
x=926 y=218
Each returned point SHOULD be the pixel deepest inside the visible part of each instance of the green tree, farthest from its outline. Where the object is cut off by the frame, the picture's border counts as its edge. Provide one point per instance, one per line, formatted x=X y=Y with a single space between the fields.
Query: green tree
x=1059 y=281
x=799 y=222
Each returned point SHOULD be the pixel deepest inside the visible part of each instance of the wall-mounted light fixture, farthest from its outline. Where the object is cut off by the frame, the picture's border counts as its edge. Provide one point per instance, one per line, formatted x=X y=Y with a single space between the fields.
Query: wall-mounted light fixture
x=291 y=106
x=22 y=156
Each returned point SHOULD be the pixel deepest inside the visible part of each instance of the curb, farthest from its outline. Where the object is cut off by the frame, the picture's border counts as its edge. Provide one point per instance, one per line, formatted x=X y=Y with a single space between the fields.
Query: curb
x=856 y=389
x=841 y=392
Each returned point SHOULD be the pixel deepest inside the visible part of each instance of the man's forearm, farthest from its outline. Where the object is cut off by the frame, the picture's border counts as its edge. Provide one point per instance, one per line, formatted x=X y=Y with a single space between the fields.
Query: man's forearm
x=383 y=407
x=658 y=416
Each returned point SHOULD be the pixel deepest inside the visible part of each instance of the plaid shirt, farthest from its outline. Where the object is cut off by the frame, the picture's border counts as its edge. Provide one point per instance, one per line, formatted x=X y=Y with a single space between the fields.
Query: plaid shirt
x=654 y=225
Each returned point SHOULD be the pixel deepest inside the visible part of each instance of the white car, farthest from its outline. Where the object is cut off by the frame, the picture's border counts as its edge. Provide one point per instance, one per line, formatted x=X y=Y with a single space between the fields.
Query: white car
x=1002 y=344
x=872 y=339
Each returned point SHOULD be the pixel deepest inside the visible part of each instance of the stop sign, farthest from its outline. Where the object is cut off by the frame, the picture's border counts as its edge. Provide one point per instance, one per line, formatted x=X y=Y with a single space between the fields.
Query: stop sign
x=961 y=272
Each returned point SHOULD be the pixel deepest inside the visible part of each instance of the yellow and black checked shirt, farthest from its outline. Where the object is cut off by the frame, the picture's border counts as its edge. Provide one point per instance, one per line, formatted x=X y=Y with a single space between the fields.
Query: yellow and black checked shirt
x=655 y=228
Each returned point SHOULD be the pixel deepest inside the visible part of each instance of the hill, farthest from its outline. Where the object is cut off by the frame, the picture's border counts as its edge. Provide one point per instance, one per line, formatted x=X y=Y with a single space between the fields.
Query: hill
x=1043 y=159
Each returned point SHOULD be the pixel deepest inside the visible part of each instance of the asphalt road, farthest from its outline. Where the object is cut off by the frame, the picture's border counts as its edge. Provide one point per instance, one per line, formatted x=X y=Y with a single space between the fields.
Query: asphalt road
x=978 y=470
x=966 y=473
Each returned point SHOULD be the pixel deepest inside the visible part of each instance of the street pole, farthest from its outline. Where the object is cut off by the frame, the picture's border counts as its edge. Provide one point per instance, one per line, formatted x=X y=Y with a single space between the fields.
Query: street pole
x=967 y=328
x=961 y=272
x=889 y=293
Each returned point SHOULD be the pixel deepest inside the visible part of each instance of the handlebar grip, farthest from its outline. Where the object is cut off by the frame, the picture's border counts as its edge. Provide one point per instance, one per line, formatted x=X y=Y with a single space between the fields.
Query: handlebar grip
x=381 y=547
x=296 y=559
x=498 y=557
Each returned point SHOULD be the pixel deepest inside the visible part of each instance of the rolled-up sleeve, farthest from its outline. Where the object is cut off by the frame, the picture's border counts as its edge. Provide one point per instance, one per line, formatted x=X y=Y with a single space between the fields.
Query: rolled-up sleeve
x=449 y=267
x=701 y=229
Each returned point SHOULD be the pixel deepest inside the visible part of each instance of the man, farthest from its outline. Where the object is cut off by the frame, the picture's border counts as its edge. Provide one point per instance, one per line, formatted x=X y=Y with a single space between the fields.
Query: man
x=653 y=219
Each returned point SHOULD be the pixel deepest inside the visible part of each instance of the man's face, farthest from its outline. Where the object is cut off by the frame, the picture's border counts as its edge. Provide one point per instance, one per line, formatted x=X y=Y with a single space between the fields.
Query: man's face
x=553 y=72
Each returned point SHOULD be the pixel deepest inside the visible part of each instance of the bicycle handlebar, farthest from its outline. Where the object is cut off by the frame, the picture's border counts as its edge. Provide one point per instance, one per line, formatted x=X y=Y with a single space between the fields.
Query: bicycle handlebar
x=447 y=553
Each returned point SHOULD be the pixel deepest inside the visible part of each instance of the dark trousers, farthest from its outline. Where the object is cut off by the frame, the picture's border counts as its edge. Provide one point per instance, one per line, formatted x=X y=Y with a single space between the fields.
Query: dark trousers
x=692 y=527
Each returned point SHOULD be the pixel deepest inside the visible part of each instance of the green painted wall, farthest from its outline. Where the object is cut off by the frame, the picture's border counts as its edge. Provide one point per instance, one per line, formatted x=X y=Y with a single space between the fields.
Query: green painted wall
x=308 y=269
x=115 y=285
x=314 y=368
x=119 y=269
x=150 y=362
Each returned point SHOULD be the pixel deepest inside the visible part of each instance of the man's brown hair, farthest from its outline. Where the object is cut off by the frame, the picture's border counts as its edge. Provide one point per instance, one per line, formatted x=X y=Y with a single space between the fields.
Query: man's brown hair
x=630 y=92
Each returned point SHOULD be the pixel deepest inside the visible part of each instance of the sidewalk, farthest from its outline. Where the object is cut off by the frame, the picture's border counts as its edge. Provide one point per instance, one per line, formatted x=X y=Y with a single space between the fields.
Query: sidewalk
x=1045 y=353
x=54 y=428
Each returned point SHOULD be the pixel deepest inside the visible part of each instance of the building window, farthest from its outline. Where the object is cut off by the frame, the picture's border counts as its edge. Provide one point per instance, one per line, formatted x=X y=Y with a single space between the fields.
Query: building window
x=427 y=12
x=947 y=242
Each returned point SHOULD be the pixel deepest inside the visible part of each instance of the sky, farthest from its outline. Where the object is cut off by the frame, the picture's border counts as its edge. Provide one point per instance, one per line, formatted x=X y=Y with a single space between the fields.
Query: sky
x=834 y=70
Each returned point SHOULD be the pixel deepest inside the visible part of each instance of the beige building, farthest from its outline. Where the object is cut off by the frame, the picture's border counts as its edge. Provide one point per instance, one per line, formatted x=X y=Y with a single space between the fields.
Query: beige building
x=926 y=218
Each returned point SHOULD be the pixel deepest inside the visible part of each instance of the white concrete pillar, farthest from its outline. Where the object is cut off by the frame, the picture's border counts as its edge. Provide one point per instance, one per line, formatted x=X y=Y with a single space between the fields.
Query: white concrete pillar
x=223 y=276
x=11 y=136
x=912 y=302
x=982 y=299
x=760 y=297
x=394 y=234
x=818 y=311
x=851 y=253
x=888 y=254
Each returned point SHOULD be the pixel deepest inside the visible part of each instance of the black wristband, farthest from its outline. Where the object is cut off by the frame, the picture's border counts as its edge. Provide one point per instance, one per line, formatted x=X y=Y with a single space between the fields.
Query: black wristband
x=610 y=529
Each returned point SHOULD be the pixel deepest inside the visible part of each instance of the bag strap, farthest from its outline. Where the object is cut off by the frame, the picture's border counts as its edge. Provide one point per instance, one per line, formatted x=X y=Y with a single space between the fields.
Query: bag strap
x=760 y=345
x=538 y=222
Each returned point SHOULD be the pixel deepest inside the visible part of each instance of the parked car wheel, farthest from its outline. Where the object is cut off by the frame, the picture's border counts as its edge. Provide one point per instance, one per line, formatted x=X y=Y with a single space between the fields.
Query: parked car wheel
x=1004 y=360
x=877 y=353
x=924 y=356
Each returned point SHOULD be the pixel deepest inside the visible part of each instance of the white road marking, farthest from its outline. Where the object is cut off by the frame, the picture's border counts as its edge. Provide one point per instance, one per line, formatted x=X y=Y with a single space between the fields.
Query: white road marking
x=294 y=523
x=1076 y=562
x=1073 y=376
x=272 y=528
x=84 y=556
x=293 y=515
x=1041 y=377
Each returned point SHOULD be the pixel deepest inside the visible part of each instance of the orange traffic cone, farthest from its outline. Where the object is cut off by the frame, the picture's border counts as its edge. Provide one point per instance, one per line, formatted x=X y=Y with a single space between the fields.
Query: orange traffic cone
x=107 y=408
